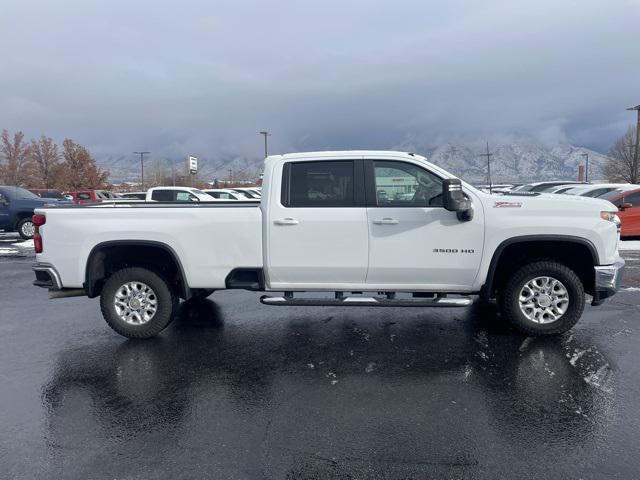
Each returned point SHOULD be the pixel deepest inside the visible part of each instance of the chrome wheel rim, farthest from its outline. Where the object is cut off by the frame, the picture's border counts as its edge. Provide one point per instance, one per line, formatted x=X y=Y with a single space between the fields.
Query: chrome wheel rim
x=544 y=300
x=28 y=229
x=135 y=303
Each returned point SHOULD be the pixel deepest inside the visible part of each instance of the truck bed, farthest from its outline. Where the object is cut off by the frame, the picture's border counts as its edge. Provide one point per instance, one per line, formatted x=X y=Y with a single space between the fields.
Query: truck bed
x=210 y=239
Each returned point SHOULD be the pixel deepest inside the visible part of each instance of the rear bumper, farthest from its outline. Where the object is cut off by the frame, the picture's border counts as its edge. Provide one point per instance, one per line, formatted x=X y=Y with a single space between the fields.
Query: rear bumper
x=607 y=281
x=47 y=276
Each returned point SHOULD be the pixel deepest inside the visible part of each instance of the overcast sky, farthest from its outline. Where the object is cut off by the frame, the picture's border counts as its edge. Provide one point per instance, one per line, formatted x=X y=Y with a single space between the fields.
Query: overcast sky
x=205 y=76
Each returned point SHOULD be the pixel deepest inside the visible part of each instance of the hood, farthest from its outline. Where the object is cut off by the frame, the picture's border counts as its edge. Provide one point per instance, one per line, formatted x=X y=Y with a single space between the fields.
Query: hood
x=553 y=201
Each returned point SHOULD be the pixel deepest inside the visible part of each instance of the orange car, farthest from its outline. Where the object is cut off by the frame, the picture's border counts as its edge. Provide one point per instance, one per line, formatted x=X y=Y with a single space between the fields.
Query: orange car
x=628 y=203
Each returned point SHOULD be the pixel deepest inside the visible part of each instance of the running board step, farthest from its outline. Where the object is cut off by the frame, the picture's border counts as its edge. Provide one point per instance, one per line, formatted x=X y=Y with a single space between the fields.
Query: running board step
x=367 y=302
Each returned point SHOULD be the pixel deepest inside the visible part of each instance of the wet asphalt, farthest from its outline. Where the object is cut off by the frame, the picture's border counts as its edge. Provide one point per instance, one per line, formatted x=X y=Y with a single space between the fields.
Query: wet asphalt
x=237 y=390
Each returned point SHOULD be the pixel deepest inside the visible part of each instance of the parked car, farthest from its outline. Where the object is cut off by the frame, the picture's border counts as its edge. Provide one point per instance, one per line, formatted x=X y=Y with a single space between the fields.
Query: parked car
x=225 y=194
x=16 y=209
x=134 y=195
x=47 y=193
x=597 y=189
x=627 y=199
x=177 y=194
x=559 y=189
x=321 y=226
x=90 y=196
x=542 y=186
x=248 y=192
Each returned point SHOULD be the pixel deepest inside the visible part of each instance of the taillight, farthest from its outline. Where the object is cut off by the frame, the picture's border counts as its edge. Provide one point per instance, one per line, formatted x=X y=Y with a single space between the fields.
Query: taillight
x=38 y=221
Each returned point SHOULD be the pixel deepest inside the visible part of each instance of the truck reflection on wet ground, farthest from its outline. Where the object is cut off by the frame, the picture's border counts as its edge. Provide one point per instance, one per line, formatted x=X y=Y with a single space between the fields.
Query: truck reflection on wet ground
x=298 y=394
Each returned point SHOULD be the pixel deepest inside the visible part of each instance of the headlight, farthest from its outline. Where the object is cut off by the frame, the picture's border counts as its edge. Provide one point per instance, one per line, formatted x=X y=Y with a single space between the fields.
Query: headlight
x=611 y=217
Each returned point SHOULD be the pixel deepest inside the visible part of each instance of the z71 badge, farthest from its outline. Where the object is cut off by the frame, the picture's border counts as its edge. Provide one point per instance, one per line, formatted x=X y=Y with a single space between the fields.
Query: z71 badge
x=507 y=205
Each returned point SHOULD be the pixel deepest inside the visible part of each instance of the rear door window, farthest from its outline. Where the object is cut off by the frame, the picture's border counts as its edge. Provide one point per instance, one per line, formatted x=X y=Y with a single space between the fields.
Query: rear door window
x=319 y=184
x=163 y=195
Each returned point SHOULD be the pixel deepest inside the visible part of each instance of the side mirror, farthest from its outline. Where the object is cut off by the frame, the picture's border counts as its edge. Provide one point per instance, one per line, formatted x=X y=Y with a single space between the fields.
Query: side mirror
x=625 y=205
x=4 y=202
x=452 y=197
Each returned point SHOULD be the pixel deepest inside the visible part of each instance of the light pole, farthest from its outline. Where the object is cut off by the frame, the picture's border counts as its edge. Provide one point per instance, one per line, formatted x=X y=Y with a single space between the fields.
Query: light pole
x=635 y=153
x=265 y=134
x=586 y=167
x=142 y=154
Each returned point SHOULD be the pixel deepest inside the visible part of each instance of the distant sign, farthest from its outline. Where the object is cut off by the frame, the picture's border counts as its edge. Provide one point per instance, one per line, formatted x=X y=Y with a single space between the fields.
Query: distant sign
x=193 y=165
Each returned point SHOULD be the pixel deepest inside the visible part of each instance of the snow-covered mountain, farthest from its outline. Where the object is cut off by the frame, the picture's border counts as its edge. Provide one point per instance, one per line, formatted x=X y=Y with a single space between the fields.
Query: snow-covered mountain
x=522 y=160
x=519 y=160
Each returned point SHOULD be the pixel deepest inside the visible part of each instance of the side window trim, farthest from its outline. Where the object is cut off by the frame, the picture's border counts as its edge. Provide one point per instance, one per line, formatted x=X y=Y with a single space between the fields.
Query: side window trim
x=370 y=183
x=358 y=184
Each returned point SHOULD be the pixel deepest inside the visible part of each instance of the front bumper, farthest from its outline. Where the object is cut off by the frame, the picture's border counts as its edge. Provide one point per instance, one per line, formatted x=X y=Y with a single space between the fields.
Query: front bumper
x=607 y=281
x=47 y=276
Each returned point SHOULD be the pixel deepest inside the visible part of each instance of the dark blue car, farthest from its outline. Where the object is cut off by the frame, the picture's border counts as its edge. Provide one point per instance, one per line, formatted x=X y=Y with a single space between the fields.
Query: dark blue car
x=16 y=209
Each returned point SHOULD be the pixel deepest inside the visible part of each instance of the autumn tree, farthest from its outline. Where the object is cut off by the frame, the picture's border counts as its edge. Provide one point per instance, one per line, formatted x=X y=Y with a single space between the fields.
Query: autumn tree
x=620 y=166
x=78 y=169
x=45 y=162
x=15 y=161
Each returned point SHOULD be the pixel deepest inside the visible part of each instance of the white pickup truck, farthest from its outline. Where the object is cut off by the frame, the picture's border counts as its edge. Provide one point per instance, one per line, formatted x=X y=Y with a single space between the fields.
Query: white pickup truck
x=367 y=228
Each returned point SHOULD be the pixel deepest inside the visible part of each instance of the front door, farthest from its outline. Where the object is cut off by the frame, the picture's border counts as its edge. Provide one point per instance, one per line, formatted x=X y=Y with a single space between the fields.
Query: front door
x=630 y=217
x=414 y=243
x=317 y=228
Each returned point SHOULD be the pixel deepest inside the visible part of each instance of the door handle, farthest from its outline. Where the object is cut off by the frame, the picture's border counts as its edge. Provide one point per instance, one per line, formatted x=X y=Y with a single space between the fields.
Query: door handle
x=386 y=221
x=286 y=221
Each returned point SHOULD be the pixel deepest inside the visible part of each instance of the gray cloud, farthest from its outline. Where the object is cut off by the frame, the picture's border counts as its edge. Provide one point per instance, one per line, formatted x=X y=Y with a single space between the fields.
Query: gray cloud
x=204 y=77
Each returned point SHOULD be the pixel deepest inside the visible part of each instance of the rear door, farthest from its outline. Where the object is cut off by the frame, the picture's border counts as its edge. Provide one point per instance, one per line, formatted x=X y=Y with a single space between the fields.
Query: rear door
x=414 y=243
x=317 y=225
x=5 y=213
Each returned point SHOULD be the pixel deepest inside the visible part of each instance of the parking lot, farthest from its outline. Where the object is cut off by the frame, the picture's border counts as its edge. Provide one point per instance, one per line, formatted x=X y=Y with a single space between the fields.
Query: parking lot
x=234 y=389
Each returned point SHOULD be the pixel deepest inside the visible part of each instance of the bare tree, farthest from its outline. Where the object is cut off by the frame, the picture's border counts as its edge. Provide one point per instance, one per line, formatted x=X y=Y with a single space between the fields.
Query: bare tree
x=158 y=172
x=45 y=160
x=78 y=169
x=619 y=167
x=14 y=151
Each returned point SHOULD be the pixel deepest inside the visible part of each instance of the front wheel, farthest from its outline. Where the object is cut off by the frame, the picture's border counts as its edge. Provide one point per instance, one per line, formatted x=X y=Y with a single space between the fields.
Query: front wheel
x=26 y=228
x=543 y=298
x=137 y=303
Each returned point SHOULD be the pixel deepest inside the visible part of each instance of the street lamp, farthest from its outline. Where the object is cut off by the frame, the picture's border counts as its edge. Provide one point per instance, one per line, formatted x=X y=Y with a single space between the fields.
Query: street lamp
x=586 y=168
x=265 y=134
x=142 y=154
x=635 y=153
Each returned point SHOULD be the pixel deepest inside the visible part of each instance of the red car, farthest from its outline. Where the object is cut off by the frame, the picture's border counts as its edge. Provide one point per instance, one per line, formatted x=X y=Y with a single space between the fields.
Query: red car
x=628 y=203
x=89 y=196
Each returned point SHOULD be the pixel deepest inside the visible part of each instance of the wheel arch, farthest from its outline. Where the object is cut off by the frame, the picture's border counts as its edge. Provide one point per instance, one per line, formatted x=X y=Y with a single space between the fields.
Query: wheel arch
x=541 y=244
x=95 y=273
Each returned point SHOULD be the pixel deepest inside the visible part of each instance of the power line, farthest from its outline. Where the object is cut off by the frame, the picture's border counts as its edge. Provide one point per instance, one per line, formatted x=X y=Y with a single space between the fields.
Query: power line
x=488 y=155
x=142 y=154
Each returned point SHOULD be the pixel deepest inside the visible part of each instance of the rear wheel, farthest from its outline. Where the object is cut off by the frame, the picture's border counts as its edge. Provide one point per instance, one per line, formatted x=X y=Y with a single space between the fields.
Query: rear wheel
x=137 y=303
x=26 y=228
x=543 y=298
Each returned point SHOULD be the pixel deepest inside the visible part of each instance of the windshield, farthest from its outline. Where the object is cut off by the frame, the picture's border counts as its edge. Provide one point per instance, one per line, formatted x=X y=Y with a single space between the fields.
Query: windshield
x=612 y=194
x=19 y=193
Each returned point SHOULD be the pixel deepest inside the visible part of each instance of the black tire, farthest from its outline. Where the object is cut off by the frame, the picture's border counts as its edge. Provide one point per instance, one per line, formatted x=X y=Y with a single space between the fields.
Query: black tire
x=509 y=298
x=25 y=228
x=167 y=302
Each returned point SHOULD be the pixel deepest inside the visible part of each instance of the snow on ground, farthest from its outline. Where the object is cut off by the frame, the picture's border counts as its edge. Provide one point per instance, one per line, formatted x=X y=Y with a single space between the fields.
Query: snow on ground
x=18 y=247
x=629 y=245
